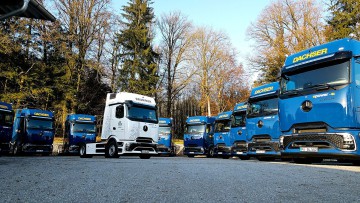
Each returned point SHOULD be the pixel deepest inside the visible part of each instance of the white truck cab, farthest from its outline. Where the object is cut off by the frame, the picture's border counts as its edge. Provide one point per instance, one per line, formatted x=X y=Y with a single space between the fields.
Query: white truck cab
x=130 y=127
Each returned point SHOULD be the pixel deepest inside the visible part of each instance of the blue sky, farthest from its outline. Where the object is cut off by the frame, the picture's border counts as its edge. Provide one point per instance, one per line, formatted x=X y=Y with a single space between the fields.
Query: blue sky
x=233 y=17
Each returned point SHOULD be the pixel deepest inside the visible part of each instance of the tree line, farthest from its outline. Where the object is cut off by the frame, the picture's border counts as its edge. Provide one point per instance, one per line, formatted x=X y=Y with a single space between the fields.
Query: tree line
x=69 y=66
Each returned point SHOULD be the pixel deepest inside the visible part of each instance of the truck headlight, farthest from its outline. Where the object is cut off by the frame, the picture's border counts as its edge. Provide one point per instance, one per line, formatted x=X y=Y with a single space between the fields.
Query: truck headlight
x=281 y=141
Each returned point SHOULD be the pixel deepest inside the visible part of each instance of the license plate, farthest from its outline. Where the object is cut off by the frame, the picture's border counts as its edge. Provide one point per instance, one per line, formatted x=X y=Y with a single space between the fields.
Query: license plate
x=145 y=151
x=191 y=152
x=239 y=153
x=309 y=149
x=260 y=151
x=219 y=152
x=39 y=150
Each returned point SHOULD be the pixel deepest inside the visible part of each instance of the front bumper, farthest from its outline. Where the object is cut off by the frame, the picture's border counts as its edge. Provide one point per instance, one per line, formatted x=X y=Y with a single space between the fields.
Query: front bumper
x=194 y=151
x=264 y=149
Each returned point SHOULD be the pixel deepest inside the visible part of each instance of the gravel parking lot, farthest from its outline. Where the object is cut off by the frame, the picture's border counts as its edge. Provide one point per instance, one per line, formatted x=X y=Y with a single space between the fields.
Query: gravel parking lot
x=173 y=179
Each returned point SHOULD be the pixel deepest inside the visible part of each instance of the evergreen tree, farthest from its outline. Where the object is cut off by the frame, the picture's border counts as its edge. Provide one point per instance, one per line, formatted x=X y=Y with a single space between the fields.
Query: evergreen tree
x=344 y=20
x=139 y=61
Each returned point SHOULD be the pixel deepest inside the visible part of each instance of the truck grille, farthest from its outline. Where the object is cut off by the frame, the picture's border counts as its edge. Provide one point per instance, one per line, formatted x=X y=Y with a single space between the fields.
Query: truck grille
x=144 y=139
x=268 y=146
x=316 y=140
x=261 y=138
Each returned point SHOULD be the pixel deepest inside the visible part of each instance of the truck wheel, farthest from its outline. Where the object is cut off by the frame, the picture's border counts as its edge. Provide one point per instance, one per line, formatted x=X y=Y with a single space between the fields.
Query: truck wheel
x=144 y=156
x=17 y=150
x=210 y=153
x=82 y=151
x=111 y=149
x=190 y=156
x=225 y=156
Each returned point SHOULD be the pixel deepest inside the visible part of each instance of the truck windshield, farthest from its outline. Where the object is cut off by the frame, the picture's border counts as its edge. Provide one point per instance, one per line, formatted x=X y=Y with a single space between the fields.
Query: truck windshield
x=164 y=130
x=324 y=77
x=84 y=127
x=142 y=114
x=43 y=124
x=195 y=129
x=262 y=108
x=222 y=126
x=6 y=118
x=238 y=119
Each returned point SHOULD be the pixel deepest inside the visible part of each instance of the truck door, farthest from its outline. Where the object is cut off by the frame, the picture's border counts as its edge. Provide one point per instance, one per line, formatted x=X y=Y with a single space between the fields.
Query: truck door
x=118 y=122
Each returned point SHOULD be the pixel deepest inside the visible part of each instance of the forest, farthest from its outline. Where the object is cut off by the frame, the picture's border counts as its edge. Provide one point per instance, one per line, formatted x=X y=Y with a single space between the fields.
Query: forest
x=69 y=66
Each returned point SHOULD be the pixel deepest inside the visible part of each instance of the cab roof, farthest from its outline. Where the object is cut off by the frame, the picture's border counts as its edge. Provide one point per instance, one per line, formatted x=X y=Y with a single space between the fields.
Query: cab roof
x=266 y=90
x=224 y=115
x=242 y=106
x=322 y=52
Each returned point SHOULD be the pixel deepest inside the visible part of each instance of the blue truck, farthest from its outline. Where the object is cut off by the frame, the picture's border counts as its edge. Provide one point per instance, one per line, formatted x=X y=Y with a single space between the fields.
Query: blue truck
x=80 y=129
x=238 y=134
x=262 y=122
x=6 y=125
x=320 y=103
x=198 y=136
x=33 y=132
x=222 y=141
x=165 y=146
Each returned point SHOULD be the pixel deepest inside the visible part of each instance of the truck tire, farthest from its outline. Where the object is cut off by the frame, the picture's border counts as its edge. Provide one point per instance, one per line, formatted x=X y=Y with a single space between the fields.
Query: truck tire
x=82 y=151
x=17 y=150
x=226 y=157
x=111 y=149
x=210 y=153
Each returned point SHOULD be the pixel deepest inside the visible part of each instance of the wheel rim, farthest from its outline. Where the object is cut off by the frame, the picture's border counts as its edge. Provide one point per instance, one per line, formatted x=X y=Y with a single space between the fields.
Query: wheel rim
x=82 y=150
x=112 y=150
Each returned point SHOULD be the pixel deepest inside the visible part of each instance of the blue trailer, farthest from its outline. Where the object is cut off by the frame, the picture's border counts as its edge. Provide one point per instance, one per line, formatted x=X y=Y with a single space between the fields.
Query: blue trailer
x=222 y=141
x=33 y=132
x=320 y=103
x=80 y=129
x=165 y=146
x=6 y=125
x=198 y=136
x=238 y=136
x=262 y=122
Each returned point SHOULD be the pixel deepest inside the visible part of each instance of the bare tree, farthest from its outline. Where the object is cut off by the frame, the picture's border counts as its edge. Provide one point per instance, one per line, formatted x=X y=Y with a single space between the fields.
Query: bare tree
x=212 y=56
x=176 y=37
x=284 y=27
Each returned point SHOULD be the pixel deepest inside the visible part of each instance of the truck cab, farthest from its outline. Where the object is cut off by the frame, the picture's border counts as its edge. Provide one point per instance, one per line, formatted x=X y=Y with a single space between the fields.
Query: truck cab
x=238 y=136
x=262 y=122
x=198 y=136
x=165 y=146
x=79 y=130
x=320 y=102
x=130 y=127
x=33 y=132
x=222 y=141
x=6 y=126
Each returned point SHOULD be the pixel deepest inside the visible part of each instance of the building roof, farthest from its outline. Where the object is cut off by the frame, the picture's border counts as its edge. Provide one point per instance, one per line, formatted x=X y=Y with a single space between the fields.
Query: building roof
x=24 y=8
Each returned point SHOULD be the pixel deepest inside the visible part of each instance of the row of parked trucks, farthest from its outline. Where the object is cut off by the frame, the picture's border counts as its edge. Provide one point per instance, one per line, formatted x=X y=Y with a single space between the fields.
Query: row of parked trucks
x=312 y=113
x=130 y=127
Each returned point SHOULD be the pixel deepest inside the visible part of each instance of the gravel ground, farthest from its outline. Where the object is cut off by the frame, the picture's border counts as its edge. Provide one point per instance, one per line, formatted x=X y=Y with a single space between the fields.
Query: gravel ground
x=173 y=179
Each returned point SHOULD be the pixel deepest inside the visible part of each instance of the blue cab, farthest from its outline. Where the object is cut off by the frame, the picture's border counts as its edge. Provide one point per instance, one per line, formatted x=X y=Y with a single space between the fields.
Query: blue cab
x=198 y=136
x=262 y=122
x=6 y=125
x=238 y=134
x=165 y=146
x=320 y=103
x=33 y=132
x=222 y=141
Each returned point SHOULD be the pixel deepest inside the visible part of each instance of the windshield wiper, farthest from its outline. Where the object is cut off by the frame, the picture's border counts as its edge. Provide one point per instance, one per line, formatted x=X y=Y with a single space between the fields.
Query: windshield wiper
x=322 y=86
x=292 y=92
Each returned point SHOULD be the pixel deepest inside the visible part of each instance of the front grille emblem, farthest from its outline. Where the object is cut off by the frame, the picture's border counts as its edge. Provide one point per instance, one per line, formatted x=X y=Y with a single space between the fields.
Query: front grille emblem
x=306 y=106
x=145 y=128
x=260 y=124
